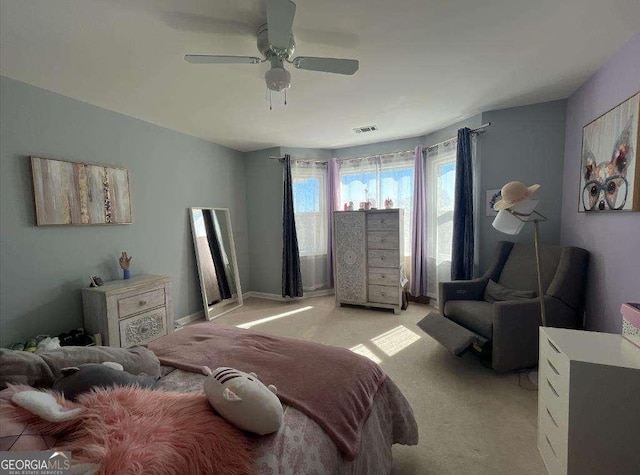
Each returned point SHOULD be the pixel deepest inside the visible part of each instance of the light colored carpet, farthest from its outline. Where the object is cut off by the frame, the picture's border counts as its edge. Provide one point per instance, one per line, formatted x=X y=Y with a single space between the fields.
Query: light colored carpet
x=471 y=419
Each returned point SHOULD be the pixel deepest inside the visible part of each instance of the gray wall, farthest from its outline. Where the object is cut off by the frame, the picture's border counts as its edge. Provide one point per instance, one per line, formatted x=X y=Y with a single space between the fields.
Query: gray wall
x=264 y=213
x=264 y=218
x=42 y=269
x=390 y=146
x=524 y=144
x=612 y=239
x=264 y=195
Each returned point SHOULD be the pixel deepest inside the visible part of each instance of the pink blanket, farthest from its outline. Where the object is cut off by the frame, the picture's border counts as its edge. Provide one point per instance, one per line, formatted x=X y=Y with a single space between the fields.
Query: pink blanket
x=333 y=386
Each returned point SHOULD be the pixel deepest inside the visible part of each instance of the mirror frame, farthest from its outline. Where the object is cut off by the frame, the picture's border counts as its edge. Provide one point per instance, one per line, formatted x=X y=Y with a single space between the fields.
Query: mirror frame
x=223 y=303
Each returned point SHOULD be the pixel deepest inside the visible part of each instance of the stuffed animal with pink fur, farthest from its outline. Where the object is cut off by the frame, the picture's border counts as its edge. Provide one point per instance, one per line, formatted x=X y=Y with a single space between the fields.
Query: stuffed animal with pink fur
x=243 y=400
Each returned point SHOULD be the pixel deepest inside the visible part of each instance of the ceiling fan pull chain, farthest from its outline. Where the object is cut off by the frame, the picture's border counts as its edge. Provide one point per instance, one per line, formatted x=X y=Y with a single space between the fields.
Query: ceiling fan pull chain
x=270 y=105
x=285 y=97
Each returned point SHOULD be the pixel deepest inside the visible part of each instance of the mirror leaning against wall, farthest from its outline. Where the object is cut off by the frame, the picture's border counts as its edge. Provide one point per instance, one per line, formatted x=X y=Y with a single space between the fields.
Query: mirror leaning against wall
x=216 y=259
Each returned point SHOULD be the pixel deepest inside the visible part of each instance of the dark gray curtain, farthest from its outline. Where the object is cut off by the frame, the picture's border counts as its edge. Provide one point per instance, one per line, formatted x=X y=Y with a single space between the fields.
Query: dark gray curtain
x=291 y=276
x=216 y=254
x=463 y=242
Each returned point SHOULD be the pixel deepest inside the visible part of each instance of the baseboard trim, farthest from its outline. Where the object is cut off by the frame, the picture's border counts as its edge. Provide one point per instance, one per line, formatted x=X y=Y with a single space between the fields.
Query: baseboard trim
x=280 y=298
x=259 y=295
x=190 y=318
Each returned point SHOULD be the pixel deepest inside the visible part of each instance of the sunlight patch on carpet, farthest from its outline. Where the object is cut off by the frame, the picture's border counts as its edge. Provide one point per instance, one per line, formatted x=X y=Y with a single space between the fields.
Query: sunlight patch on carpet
x=366 y=352
x=395 y=340
x=273 y=317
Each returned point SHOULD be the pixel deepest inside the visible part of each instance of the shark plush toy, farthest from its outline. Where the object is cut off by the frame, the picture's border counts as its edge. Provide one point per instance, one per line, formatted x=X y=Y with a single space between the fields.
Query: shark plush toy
x=243 y=400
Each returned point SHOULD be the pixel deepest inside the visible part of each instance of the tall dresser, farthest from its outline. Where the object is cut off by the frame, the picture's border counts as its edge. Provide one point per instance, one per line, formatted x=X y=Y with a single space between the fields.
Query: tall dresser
x=129 y=312
x=588 y=403
x=368 y=255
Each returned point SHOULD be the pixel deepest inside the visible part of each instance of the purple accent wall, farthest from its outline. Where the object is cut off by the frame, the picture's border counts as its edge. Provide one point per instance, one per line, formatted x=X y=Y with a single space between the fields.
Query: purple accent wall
x=612 y=239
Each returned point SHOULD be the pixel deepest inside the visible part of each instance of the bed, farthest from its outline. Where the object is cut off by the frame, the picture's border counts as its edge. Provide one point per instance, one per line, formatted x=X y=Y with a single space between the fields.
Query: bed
x=301 y=445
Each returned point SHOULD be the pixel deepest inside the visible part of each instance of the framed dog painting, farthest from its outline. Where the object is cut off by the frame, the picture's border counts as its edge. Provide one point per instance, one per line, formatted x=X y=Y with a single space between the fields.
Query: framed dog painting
x=610 y=174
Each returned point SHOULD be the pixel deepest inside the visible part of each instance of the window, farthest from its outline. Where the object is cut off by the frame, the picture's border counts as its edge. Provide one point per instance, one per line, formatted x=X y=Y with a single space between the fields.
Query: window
x=441 y=173
x=310 y=210
x=377 y=179
x=309 y=204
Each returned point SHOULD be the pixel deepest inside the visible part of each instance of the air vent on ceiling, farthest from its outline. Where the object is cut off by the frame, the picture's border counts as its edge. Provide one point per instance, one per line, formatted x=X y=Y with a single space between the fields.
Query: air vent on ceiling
x=365 y=129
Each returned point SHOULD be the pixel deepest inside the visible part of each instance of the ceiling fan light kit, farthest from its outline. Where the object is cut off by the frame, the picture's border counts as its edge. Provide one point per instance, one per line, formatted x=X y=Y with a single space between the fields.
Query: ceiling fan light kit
x=277 y=44
x=278 y=79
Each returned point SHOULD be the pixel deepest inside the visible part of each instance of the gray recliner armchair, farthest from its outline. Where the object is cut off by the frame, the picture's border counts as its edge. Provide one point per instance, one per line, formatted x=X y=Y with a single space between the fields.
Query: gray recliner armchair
x=511 y=327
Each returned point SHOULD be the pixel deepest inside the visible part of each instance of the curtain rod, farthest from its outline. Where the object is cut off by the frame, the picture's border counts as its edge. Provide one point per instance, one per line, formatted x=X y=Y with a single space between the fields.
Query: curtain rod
x=476 y=131
x=281 y=159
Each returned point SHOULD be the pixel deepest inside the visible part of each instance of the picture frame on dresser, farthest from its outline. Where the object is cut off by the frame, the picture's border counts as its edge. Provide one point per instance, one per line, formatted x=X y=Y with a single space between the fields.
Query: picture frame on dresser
x=129 y=312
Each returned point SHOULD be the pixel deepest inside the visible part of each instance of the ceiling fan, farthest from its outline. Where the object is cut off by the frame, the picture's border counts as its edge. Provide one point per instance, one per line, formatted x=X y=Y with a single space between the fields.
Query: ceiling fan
x=276 y=45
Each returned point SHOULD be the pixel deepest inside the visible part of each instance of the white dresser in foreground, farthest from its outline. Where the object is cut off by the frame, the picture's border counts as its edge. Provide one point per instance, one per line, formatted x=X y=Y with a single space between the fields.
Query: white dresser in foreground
x=129 y=312
x=588 y=403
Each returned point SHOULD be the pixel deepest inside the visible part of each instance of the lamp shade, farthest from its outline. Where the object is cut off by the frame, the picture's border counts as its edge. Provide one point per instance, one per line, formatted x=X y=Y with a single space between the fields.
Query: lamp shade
x=507 y=222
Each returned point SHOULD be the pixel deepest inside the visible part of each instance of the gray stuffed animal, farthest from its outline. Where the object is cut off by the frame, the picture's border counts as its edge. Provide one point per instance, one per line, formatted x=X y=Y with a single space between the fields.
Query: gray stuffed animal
x=81 y=379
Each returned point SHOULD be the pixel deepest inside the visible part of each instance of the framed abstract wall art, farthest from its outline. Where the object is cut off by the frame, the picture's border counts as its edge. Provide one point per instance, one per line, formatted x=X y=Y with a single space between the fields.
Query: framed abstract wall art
x=610 y=173
x=80 y=193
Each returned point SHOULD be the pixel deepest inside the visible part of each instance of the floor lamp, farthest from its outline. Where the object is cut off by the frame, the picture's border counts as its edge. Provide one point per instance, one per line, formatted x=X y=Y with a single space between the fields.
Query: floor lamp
x=515 y=209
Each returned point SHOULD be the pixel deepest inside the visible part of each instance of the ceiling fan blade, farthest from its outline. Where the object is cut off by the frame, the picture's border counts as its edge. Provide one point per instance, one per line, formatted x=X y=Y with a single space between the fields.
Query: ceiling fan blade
x=213 y=59
x=280 y=15
x=327 y=65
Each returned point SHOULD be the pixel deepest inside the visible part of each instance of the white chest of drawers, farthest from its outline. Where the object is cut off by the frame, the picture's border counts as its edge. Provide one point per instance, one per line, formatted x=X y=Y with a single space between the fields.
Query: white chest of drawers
x=368 y=257
x=129 y=312
x=588 y=403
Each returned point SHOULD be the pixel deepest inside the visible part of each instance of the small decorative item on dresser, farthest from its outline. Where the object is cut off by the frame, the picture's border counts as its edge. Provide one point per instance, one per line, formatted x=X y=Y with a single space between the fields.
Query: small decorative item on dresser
x=125 y=261
x=96 y=281
x=388 y=203
x=130 y=312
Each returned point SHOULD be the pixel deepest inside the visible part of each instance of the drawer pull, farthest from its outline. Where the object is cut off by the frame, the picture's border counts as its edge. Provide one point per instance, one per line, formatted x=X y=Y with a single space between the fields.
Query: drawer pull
x=383 y=276
x=551 y=446
x=555 y=348
x=383 y=293
x=551 y=417
x=382 y=240
x=382 y=220
x=382 y=258
x=553 y=389
x=553 y=367
x=143 y=302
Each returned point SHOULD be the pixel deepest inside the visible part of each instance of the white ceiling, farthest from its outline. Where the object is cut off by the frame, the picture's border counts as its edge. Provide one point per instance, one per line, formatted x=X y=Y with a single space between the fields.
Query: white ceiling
x=424 y=64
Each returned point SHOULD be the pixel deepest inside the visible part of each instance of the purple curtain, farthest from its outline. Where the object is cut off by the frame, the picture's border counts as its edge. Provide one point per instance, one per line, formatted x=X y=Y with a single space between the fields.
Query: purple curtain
x=419 y=230
x=333 y=204
x=291 y=274
x=463 y=235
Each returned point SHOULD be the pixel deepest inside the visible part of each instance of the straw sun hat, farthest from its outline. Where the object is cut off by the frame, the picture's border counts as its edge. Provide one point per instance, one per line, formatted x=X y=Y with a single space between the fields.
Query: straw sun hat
x=514 y=192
